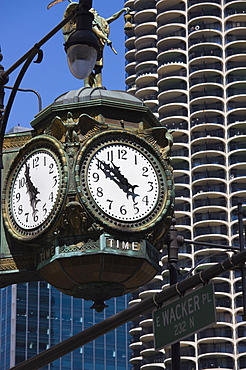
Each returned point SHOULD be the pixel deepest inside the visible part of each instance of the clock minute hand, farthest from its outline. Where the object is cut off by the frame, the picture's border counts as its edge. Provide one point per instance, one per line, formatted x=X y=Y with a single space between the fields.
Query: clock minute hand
x=31 y=190
x=113 y=172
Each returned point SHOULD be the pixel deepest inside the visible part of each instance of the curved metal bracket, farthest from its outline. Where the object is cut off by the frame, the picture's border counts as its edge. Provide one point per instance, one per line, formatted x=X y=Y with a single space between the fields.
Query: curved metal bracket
x=12 y=97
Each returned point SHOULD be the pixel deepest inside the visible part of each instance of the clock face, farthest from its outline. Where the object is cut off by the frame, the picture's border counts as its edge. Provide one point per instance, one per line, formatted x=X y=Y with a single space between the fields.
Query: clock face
x=35 y=189
x=123 y=182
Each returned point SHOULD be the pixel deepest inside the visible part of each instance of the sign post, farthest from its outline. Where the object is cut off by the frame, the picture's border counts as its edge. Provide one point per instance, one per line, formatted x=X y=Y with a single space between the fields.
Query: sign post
x=184 y=317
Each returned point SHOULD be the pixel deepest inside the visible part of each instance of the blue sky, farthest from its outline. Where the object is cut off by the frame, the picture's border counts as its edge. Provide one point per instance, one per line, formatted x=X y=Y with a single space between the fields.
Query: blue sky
x=22 y=24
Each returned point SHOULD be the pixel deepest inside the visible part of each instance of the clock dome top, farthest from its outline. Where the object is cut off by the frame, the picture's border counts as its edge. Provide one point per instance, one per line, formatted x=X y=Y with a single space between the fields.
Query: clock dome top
x=109 y=104
x=88 y=93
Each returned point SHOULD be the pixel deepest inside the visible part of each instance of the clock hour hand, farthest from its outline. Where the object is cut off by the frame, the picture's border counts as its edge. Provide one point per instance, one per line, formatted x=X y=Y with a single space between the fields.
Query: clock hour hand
x=31 y=190
x=113 y=173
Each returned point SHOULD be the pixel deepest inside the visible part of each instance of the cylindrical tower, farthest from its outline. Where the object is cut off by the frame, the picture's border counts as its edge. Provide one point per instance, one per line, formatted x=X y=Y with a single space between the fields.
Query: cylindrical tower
x=187 y=61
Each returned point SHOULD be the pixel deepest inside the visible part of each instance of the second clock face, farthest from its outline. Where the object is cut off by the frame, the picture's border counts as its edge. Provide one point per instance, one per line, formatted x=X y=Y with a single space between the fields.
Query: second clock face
x=123 y=182
x=35 y=189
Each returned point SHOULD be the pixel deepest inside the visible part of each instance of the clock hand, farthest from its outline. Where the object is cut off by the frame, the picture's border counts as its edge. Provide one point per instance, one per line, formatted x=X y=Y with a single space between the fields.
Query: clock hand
x=31 y=190
x=113 y=173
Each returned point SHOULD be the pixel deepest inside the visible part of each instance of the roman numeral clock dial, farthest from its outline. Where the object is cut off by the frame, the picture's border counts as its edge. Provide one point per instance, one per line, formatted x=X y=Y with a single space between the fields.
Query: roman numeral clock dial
x=122 y=182
x=34 y=188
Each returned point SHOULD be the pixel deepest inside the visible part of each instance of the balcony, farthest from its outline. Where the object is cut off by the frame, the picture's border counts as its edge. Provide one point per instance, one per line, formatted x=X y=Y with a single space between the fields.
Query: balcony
x=179 y=137
x=207 y=201
x=237 y=35
x=208 y=160
x=176 y=31
x=206 y=23
x=183 y=152
x=237 y=129
x=144 y=29
x=235 y=24
x=205 y=230
x=206 y=77
x=182 y=179
x=170 y=17
x=207 y=174
x=175 y=110
x=238 y=199
x=236 y=62
x=182 y=206
x=219 y=347
x=167 y=6
x=209 y=145
x=195 y=2
x=218 y=361
x=238 y=172
x=206 y=90
x=180 y=164
x=174 y=97
x=203 y=119
x=204 y=10
x=171 y=57
x=238 y=157
x=233 y=50
x=171 y=71
x=145 y=16
x=236 y=76
x=206 y=38
x=214 y=258
x=209 y=104
x=144 y=4
x=224 y=331
x=170 y=44
x=181 y=193
x=213 y=240
x=209 y=131
x=205 y=63
x=208 y=52
x=235 y=8
x=236 y=144
x=210 y=215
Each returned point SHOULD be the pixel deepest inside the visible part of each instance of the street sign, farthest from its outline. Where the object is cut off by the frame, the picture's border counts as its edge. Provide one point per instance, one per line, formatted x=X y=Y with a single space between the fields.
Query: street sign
x=184 y=316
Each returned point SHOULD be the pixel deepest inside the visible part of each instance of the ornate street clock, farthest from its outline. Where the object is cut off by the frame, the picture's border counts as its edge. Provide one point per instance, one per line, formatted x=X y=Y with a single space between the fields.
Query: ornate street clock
x=122 y=182
x=90 y=199
x=35 y=187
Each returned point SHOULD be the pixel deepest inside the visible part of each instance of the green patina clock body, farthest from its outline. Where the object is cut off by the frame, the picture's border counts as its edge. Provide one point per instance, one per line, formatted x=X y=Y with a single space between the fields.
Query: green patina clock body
x=88 y=199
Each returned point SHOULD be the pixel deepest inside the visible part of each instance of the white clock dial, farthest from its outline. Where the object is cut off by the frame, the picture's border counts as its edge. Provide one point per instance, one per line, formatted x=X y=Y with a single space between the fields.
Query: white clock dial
x=122 y=182
x=35 y=189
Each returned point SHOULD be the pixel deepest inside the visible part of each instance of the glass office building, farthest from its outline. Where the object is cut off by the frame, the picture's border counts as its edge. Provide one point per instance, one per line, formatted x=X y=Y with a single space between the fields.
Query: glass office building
x=35 y=316
x=186 y=59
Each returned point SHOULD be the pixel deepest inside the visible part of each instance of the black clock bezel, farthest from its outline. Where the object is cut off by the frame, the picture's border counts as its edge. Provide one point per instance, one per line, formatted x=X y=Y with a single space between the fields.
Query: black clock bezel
x=165 y=198
x=54 y=147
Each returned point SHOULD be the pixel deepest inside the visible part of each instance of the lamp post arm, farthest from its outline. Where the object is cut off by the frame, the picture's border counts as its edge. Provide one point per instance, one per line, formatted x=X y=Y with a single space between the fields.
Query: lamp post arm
x=12 y=97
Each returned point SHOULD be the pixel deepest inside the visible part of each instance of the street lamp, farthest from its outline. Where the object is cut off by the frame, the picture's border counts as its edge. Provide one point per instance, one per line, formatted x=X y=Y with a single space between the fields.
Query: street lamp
x=82 y=45
x=80 y=63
